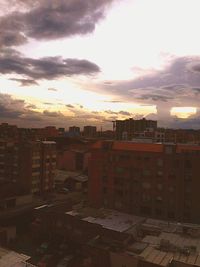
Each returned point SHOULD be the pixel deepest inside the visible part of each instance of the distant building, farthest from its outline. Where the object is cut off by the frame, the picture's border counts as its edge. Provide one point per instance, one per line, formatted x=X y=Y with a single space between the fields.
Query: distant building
x=61 y=131
x=125 y=129
x=8 y=131
x=154 y=180
x=74 y=131
x=89 y=131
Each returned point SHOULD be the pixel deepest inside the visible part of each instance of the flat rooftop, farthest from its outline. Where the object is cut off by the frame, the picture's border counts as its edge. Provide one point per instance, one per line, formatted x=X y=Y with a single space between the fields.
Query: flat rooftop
x=145 y=147
x=108 y=219
x=10 y=258
x=161 y=242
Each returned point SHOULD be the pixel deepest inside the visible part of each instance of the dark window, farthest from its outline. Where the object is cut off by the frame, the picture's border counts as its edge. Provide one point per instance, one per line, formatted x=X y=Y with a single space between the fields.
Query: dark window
x=119 y=180
x=145 y=210
x=171 y=215
x=158 y=212
x=188 y=164
x=104 y=190
x=104 y=178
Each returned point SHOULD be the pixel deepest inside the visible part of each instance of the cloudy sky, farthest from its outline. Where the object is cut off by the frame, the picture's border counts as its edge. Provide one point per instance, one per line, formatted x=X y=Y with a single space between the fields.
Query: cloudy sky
x=88 y=62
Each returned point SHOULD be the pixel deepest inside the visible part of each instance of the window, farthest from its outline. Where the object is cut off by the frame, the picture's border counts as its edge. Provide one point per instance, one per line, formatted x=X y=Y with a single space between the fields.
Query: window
x=124 y=156
x=118 y=204
x=188 y=164
x=146 y=172
x=146 y=185
x=104 y=190
x=119 y=193
x=160 y=162
x=159 y=187
x=159 y=199
x=186 y=215
x=171 y=189
x=146 y=197
x=168 y=150
x=188 y=176
x=104 y=178
x=35 y=169
x=120 y=170
x=171 y=215
x=146 y=158
x=145 y=210
x=172 y=176
x=160 y=173
x=187 y=204
x=188 y=190
x=158 y=212
x=118 y=180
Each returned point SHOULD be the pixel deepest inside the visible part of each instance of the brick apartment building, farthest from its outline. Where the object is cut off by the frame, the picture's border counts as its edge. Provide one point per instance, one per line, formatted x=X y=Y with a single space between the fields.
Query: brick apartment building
x=152 y=180
x=29 y=164
x=125 y=129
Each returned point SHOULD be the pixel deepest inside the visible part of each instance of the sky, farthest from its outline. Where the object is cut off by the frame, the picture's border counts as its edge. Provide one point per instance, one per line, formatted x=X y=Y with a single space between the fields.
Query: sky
x=75 y=62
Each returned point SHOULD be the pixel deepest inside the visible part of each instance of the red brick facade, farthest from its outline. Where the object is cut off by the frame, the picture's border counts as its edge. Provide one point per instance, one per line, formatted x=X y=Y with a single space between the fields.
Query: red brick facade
x=153 y=180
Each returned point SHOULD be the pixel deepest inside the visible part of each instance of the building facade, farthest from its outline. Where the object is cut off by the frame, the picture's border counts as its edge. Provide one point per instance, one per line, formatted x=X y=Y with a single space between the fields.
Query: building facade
x=30 y=165
x=153 y=180
x=125 y=129
x=89 y=131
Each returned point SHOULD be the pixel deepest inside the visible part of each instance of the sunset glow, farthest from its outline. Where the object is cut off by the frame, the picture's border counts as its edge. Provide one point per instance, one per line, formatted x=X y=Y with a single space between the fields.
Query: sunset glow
x=129 y=59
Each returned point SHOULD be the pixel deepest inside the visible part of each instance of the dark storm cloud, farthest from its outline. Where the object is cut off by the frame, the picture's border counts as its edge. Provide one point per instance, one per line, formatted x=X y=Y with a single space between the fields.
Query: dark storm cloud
x=11 y=38
x=195 y=67
x=10 y=108
x=45 y=68
x=25 y=82
x=122 y=112
x=8 y=113
x=50 y=19
x=125 y=113
x=69 y=106
x=155 y=97
x=171 y=86
x=31 y=106
x=52 y=114
x=196 y=90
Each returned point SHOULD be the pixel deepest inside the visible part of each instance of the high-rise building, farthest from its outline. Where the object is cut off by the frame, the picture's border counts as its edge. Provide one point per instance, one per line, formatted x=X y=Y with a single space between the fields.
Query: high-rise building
x=125 y=129
x=29 y=164
x=154 y=180
x=89 y=131
x=74 y=131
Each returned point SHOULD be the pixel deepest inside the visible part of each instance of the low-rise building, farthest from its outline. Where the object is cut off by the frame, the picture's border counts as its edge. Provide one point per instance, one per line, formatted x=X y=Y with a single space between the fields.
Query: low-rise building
x=114 y=239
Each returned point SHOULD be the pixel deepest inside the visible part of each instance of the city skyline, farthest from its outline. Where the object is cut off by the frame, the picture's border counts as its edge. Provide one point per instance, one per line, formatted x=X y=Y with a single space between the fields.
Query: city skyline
x=68 y=63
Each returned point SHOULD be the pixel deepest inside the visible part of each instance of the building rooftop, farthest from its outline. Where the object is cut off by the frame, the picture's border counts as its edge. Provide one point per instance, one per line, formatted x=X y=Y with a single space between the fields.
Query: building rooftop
x=13 y=259
x=62 y=176
x=158 y=242
x=109 y=219
x=145 y=147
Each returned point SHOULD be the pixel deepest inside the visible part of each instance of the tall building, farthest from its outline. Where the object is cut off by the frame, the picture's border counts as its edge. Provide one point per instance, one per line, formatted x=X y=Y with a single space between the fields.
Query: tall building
x=154 y=180
x=7 y=160
x=125 y=129
x=48 y=165
x=30 y=164
x=89 y=131
x=74 y=131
